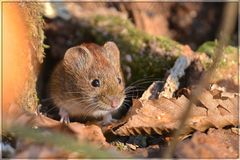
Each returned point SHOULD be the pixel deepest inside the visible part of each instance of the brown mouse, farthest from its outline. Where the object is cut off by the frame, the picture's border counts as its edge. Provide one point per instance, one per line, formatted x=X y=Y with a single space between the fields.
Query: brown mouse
x=88 y=82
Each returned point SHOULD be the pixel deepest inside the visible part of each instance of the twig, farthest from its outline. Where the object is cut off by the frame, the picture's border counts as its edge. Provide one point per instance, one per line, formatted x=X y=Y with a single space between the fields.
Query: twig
x=228 y=23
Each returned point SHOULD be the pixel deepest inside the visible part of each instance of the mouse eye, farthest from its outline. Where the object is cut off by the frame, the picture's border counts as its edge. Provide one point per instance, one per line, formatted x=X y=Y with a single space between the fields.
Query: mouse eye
x=119 y=80
x=95 y=83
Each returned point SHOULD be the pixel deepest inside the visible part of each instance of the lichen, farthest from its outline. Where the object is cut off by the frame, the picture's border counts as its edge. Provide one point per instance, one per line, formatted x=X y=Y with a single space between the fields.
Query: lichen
x=32 y=13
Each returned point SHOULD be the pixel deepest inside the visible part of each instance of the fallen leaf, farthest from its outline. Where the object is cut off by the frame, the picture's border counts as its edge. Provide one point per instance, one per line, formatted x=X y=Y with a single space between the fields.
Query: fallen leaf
x=33 y=151
x=91 y=133
x=217 y=143
x=164 y=115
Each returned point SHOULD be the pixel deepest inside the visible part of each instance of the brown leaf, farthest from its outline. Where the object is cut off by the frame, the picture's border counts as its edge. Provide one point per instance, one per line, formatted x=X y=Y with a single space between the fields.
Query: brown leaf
x=91 y=133
x=82 y=133
x=215 y=144
x=16 y=115
x=33 y=151
x=43 y=121
x=163 y=114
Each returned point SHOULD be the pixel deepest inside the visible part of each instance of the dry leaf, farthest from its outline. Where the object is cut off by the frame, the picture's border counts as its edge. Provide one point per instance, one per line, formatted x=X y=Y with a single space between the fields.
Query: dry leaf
x=161 y=115
x=33 y=151
x=91 y=133
x=215 y=144
x=83 y=133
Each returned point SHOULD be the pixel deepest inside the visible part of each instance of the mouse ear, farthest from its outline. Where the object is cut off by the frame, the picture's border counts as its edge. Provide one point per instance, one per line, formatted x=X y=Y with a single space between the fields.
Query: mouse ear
x=113 y=53
x=78 y=57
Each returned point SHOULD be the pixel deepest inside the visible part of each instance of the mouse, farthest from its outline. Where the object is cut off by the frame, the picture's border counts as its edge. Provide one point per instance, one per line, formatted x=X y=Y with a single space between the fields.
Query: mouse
x=88 y=82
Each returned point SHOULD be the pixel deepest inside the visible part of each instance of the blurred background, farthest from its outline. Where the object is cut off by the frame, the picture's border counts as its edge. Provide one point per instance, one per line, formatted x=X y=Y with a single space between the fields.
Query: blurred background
x=157 y=23
x=188 y=23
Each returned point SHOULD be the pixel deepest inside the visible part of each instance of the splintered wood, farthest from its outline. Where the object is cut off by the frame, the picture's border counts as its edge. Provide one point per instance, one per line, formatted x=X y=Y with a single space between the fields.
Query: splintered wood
x=164 y=115
x=178 y=70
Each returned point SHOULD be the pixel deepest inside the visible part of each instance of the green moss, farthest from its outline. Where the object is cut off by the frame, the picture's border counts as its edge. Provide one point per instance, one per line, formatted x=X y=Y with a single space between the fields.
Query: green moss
x=229 y=56
x=230 y=50
x=148 y=61
x=227 y=66
x=168 y=44
x=210 y=46
x=33 y=12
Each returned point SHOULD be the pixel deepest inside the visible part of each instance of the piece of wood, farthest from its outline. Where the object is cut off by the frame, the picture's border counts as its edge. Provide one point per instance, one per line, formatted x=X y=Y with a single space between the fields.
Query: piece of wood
x=176 y=72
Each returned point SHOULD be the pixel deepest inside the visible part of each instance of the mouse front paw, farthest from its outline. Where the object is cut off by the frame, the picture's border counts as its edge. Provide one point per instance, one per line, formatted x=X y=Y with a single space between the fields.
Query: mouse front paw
x=107 y=119
x=64 y=116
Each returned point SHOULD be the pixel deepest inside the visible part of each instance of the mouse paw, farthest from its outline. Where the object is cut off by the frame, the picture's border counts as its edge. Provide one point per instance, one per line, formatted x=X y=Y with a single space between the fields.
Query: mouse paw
x=64 y=116
x=107 y=119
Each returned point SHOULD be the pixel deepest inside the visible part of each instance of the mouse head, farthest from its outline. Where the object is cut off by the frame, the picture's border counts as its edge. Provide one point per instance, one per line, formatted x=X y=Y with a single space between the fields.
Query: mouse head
x=92 y=79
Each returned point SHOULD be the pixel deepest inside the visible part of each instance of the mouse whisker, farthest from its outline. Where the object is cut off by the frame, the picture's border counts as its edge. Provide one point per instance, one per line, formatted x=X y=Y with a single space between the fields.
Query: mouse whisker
x=131 y=95
x=90 y=108
x=50 y=108
x=72 y=92
x=46 y=99
x=80 y=92
x=85 y=100
x=46 y=103
x=144 y=80
x=126 y=105
x=134 y=92
x=127 y=101
x=80 y=109
x=75 y=99
x=143 y=84
x=134 y=89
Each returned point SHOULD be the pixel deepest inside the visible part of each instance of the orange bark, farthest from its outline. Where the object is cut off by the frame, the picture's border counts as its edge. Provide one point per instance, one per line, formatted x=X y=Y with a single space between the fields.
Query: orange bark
x=16 y=51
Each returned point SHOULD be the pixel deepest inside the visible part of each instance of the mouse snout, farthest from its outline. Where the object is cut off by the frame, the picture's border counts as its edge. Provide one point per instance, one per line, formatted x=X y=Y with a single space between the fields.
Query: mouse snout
x=114 y=101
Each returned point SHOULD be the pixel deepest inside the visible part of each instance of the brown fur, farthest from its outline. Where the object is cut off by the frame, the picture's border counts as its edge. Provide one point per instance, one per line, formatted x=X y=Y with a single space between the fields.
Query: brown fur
x=70 y=85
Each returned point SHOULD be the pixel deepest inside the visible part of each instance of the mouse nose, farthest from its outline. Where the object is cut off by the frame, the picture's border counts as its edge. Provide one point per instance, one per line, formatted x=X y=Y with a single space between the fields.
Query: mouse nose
x=115 y=102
